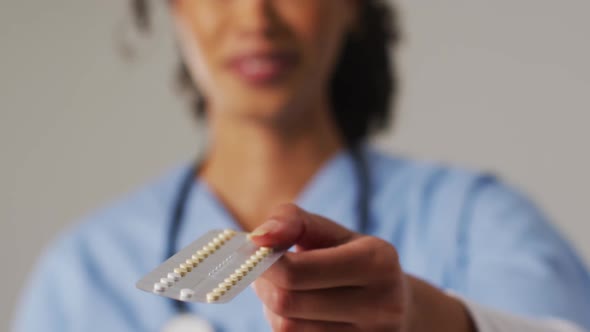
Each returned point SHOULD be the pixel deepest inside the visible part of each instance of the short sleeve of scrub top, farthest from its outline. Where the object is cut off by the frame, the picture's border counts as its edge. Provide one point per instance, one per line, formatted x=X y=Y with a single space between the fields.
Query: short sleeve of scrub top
x=461 y=231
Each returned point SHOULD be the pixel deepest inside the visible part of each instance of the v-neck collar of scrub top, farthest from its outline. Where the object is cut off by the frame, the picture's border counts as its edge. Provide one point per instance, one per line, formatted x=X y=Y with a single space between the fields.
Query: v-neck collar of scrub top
x=332 y=193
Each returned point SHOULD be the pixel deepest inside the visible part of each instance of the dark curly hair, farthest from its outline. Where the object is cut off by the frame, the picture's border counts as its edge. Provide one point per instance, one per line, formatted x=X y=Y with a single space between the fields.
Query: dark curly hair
x=364 y=84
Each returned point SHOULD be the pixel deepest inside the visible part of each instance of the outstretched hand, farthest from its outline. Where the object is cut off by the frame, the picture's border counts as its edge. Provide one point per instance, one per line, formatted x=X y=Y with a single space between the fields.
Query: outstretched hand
x=340 y=280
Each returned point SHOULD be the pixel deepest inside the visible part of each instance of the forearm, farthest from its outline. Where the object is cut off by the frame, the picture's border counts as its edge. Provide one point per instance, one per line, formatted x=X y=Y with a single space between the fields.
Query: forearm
x=433 y=310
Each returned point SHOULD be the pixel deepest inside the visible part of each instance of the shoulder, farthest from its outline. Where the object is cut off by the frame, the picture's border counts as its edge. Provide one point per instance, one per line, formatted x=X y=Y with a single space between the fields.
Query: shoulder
x=451 y=205
x=145 y=206
x=99 y=257
x=138 y=214
x=124 y=233
x=424 y=183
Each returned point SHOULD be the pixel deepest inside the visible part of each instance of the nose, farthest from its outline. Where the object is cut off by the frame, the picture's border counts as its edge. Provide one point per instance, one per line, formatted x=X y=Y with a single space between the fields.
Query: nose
x=257 y=18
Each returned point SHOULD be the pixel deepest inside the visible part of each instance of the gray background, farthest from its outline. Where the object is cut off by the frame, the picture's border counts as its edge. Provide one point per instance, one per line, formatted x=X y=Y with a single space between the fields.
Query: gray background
x=499 y=85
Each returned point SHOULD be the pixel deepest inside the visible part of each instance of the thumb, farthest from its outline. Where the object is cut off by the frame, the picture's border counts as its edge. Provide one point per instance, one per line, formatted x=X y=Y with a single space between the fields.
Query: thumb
x=290 y=225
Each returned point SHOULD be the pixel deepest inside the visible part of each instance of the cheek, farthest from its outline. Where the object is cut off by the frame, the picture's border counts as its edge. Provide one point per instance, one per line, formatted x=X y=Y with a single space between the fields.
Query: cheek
x=198 y=30
x=320 y=32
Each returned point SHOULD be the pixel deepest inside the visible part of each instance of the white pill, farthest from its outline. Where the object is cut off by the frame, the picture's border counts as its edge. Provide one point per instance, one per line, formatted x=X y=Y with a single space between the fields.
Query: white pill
x=212 y=246
x=229 y=232
x=226 y=285
x=212 y=297
x=219 y=291
x=186 y=293
x=201 y=254
x=265 y=249
x=239 y=273
x=207 y=250
x=187 y=267
x=192 y=262
x=159 y=287
x=218 y=241
x=231 y=280
x=246 y=267
x=174 y=276
x=180 y=271
x=237 y=276
x=166 y=281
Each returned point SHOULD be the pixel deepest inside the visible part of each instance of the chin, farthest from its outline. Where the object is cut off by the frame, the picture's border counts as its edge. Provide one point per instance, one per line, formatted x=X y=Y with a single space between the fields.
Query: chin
x=269 y=106
x=267 y=111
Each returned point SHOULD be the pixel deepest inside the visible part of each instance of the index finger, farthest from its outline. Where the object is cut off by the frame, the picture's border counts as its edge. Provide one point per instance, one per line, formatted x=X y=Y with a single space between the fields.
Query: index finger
x=342 y=266
x=290 y=225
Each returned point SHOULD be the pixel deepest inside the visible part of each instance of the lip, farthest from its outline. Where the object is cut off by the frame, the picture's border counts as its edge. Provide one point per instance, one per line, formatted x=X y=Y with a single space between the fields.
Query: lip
x=263 y=67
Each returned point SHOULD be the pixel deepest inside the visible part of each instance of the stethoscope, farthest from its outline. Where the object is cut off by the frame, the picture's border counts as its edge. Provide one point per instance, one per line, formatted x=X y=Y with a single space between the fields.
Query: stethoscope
x=362 y=176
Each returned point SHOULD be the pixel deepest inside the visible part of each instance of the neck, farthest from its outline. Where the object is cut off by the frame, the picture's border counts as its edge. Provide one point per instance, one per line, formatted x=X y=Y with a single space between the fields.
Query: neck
x=254 y=165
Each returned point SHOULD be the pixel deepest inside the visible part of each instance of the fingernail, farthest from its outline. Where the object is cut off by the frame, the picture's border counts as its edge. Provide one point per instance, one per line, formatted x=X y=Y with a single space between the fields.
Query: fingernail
x=264 y=229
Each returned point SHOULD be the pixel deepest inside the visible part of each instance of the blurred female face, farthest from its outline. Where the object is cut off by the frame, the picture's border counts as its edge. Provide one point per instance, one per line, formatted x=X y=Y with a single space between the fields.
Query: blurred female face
x=262 y=58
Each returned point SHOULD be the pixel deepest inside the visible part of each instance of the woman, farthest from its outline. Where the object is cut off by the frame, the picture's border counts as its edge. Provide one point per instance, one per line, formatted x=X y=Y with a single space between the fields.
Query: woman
x=291 y=90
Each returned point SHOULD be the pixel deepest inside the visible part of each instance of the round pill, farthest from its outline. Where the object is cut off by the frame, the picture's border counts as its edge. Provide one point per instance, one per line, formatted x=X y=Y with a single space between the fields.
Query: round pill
x=219 y=291
x=231 y=280
x=265 y=249
x=239 y=272
x=159 y=287
x=207 y=250
x=246 y=267
x=218 y=241
x=174 y=276
x=226 y=285
x=192 y=262
x=229 y=232
x=212 y=297
x=202 y=254
x=197 y=259
x=236 y=276
x=186 y=293
x=167 y=282
x=212 y=246
x=254 y=262
x=187 y=267
x=180 y=271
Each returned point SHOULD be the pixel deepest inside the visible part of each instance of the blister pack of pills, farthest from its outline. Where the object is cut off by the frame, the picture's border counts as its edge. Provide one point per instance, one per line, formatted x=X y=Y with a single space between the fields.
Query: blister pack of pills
x=213 y=269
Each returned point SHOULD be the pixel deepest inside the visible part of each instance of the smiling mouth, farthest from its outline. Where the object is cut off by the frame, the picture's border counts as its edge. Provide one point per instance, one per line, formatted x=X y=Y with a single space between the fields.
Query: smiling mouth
x=263 y=68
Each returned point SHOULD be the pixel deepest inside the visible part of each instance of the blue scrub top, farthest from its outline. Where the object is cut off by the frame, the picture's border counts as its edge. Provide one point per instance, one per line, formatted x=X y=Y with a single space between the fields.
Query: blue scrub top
x=459 y=230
